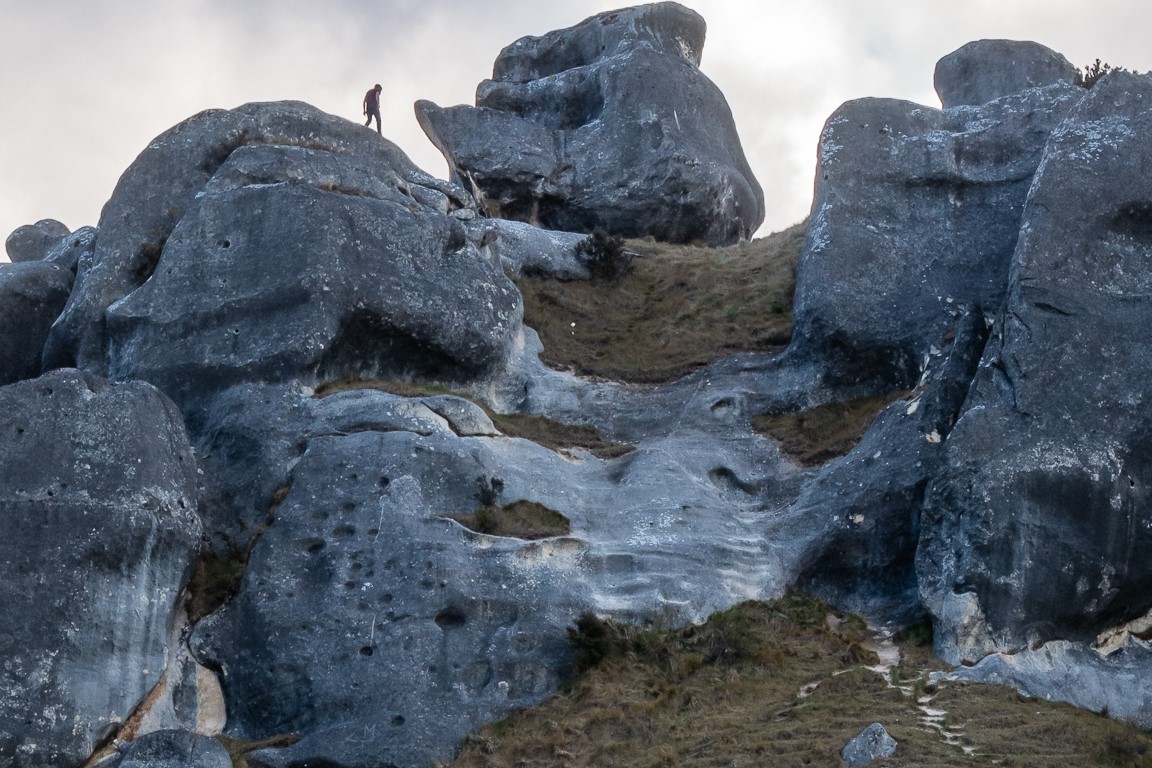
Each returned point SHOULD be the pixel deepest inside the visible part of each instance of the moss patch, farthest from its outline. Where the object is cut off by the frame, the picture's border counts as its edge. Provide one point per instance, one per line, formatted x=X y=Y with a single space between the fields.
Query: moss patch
x=520 y=520
x=781 y=684
x=541 y=430
x=678 y=307
x=817 y=435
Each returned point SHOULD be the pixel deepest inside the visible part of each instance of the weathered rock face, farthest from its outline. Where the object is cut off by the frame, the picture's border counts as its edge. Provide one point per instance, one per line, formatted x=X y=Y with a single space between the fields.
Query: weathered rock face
x=175 y=749
x=382 y=632
x=161 y=189
x=31 y=242
x=610 y=124
x=1038 y=521
x=97 y=498
x=296 y=263
x=868 y=504
x=916 y=213
x=986 y=70
x=32 y=294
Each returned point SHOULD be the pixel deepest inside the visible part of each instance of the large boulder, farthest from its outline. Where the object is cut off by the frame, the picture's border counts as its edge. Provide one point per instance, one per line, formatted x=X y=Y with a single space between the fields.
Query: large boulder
x=97 y=497
x=299 y=263
x=610 y=124
x=986 y=70
x=32 y=295
x=382 y=632
x=1034 y=530
x=916 y=213
x=163 y=185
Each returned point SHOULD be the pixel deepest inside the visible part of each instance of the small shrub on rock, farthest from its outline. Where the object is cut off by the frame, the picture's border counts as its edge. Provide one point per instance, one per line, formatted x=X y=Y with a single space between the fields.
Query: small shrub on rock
x=1095 y=71
x=604 y=255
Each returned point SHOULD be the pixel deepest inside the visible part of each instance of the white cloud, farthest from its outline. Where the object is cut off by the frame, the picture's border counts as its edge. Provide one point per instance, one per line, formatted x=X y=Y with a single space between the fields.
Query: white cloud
x=86 y=85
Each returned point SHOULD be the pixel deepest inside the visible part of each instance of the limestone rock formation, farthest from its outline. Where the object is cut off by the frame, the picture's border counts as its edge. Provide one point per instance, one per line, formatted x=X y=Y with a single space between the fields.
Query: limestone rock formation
x=97 y=496
x=32 y=241
x=1037 y=521
x=162 y=188
x=985 y=70
x=916 y=214
x=257 y=266
x=32 y=295
x=610 y=124
x=296 y=263
x=175 y=749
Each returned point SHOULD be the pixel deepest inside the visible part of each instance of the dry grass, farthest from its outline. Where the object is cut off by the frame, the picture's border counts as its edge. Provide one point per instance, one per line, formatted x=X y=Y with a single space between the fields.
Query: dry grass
x=817 y=435
x=655 y=699
x=678 y=308
x=520 y=520
x=541 y=430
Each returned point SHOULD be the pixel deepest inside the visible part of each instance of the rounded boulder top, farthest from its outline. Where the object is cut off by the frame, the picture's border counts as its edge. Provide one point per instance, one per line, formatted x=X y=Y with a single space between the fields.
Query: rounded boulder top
x=985 y=70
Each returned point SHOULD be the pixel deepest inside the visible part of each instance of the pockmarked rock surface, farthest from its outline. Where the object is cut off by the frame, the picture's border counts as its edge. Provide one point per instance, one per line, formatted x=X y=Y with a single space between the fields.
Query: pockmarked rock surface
x=1037 y=522
x=297 y=263
x=97 y=496
x=249 y=256
x=985 y=70
x=916 y=213
x=610 y=124
x=378 y=629
x=339 y=188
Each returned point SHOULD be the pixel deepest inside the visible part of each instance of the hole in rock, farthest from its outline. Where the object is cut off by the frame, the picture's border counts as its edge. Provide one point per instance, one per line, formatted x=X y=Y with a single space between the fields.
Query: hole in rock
x=366 y=651
x=451 y=618
x=398 y=720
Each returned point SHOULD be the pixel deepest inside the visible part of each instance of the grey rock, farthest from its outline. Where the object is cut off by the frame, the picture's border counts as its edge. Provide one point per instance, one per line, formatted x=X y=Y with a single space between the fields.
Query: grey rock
x=162 y=184
x=100 y=530
x=378 y=629
x=869 y=502
x=523 y=250
x=916 y=213
x=294 y=263
x=69 y=251
x=986 y=70
x=1116 y=685
x=1032 y=526
x=871 y=744
x=32 y=295
x=175 y=749
x=609 y=123
x=32 y=241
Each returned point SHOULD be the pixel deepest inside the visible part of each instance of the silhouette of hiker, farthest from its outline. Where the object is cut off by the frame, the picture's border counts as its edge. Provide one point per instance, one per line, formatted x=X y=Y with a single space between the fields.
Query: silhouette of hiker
x=372 y=106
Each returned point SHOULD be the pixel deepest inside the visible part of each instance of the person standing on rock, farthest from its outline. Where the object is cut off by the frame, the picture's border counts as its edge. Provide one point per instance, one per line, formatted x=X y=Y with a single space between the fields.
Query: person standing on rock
x=372 y=106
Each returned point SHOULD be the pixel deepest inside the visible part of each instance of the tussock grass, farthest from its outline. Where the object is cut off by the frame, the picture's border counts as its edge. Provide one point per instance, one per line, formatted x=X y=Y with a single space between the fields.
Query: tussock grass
x=521 y=520
x=822 y=433
x=651 y=697
x=678 y=307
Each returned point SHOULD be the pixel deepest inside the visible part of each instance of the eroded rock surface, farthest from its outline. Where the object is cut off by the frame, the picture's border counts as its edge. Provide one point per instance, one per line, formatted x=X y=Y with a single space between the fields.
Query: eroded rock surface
x=31 y=242
x=1038 y=519
x=32 y=295
x=297 y=263
x=355 y=189
x=916 y=213
x=610 y=124
x=97 y=496
x=377 y=628
x=985 y=70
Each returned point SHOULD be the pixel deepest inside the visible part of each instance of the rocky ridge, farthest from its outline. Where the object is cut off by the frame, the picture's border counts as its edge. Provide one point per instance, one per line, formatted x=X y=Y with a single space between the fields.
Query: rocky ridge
x=989 y=256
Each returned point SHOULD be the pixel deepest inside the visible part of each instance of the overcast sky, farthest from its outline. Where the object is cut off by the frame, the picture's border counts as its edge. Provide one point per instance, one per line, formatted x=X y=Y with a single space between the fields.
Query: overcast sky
x=86 y=84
